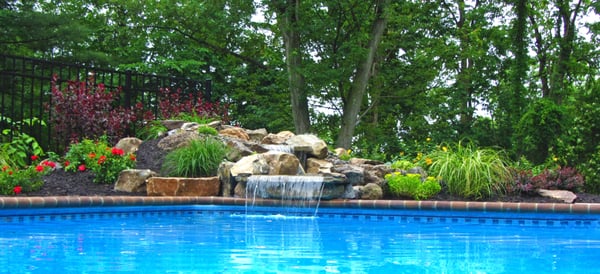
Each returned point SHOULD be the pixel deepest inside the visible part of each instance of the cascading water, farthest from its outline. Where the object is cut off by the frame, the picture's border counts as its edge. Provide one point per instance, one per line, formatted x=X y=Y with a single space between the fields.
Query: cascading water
x=280 y=148
x=298 y=194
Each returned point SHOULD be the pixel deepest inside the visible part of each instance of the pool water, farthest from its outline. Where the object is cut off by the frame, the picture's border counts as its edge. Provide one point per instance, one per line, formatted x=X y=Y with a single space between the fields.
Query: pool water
x=217 y=239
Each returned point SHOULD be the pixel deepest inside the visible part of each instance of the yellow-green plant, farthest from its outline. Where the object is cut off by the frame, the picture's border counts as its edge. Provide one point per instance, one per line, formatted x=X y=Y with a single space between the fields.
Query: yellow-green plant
x=471 y=172
x=412 y=185
x=402 y=164
x=200 y=158
x=208 y=130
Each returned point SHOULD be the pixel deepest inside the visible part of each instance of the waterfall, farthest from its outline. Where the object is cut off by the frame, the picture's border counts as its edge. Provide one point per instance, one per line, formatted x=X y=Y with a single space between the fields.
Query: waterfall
x=280 y=148
x=299 y=194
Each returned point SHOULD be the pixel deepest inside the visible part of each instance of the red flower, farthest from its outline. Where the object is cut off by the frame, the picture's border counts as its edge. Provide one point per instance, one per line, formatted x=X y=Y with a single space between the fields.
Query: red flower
x=49 y=164
x=17 y=190
x=102 y=159
x=81 y=168
x=67 y=163
x=92 y=155
x=5 y=168
x=132 y=157
x=34 y=157
x=39 y=168
x=117 y=151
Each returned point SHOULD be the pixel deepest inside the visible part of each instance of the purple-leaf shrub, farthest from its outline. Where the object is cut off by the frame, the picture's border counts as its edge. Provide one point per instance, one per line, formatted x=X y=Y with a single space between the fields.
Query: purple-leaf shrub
x=85 y=110
x=172 y=103
x=565 y=178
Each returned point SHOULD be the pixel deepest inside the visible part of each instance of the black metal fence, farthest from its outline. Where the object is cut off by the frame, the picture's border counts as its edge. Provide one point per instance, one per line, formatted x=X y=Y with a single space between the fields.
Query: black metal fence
x=25 y=92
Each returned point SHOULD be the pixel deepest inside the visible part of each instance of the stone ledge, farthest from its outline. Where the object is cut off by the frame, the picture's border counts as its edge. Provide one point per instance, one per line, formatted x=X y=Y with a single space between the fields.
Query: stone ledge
x=175 y=186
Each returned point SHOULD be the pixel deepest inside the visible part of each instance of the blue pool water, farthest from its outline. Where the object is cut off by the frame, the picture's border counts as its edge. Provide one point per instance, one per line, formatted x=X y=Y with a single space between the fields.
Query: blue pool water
x=219 y=239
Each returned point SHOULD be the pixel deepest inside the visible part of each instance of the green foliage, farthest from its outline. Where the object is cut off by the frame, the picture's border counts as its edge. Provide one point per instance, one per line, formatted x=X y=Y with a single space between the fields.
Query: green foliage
x=470 y=172
x=403 y=164
x=538 y=130
x=194 y=117
x=208 y=130
x=152 y=130
x=14 y=180
x=201 y=158
x=411 y=185
x=591 y=171
x=104 y=161
x=15 y=151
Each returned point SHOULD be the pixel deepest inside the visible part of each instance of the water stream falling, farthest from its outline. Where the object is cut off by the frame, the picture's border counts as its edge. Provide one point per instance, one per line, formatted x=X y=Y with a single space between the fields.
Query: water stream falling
x=298 y=194
x=280 y=148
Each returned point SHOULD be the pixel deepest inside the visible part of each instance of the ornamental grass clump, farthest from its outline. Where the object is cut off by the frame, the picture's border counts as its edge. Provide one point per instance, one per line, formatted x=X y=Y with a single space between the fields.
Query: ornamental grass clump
x=412 y=185
x=201 y=158
x=470 y=172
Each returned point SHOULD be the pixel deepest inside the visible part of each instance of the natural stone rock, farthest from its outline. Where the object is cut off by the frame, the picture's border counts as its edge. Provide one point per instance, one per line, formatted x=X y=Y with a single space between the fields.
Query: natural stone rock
x=173 y=186
x=370 y=177
x=352 y=192
x=215 y=124
x=362 y=161
x=237 y=149
x=257 y=135
x=227 y=181
x=251 y=164
x=190 y=126
x=236 y=132
x=277 y=139
x=563 y=195
x=315 y=166
x=354 y=174
x=318 y=146
x=178 y=140
x=379 y=170
x=172 y=124
x=129 y=144
x=371 y=192
x=281 y=163
x=133 y=180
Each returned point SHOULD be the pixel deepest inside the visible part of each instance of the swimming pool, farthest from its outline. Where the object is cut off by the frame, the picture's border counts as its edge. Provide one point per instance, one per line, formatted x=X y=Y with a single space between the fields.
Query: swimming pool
x=229 y=239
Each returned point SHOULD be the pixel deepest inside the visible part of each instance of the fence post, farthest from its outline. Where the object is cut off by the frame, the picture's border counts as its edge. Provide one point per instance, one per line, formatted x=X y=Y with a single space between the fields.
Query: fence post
x=208 y=90
x=127 y=89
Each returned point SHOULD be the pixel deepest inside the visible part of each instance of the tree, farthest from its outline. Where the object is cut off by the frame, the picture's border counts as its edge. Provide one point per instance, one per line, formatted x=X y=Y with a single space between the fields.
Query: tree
x=288 y=19
x=353 y=102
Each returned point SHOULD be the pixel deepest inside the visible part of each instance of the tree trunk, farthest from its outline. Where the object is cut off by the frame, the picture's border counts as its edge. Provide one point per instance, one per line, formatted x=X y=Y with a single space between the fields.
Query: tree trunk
x=353 y=102
x=288 y=19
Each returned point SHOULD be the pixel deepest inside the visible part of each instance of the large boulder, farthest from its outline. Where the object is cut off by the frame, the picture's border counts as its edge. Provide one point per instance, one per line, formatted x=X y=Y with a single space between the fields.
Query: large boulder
x=235 y=132
x=318 y=147
x=371 y=192
x=355 y=175
x=227 y=181
x=257 y=135
x=316 y=166
x=281 y=163
x=180 y=139
x=129 y=144
x=133 y=180
x=251 y=164
x=563 y=195
x=277 y=139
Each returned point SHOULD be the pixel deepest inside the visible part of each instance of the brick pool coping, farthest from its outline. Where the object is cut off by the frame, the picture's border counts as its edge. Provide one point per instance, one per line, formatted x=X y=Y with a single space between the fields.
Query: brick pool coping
x=105 y=201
